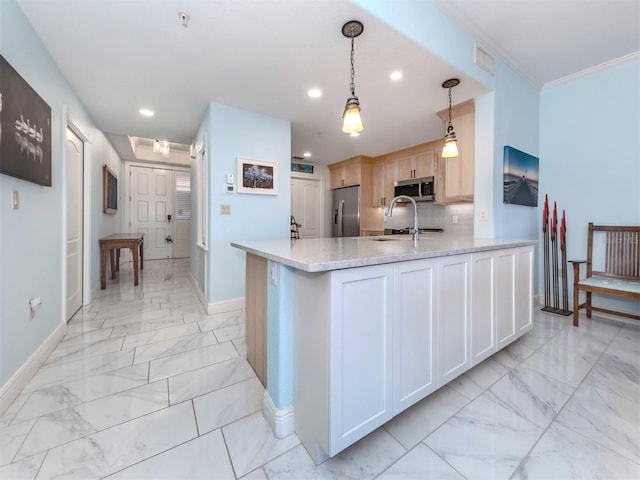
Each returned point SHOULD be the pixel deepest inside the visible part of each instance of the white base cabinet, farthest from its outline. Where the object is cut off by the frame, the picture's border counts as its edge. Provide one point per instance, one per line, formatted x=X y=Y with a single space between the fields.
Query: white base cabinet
x=371 y=341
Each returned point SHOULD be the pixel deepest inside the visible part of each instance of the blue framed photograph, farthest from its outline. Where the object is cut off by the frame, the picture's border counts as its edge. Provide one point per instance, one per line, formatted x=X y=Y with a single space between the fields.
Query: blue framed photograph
x=521 y=172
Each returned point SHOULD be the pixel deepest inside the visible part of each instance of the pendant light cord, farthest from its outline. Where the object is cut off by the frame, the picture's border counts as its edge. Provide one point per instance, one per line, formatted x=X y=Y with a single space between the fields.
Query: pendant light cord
x=450 y=126
x=353 y=71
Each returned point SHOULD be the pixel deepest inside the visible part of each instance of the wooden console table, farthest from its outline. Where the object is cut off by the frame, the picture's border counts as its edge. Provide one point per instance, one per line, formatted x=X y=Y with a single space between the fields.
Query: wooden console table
x=133 y=241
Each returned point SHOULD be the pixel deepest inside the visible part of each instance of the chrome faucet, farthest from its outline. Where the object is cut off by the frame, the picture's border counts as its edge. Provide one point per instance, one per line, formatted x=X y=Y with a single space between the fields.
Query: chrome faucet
x=389 y=212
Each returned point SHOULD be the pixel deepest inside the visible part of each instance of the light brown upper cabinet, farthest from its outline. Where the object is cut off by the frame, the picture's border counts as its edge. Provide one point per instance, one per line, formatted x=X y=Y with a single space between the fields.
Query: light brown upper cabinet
x=416 y=166
x=455 y=176
x=383 y=178
x=347 y=173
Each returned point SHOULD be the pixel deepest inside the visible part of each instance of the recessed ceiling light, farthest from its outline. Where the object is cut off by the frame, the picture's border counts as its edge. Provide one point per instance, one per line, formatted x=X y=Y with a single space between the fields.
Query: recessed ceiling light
x=315 y=93
x=146 y=112
x=395 y=76
x=307 y=154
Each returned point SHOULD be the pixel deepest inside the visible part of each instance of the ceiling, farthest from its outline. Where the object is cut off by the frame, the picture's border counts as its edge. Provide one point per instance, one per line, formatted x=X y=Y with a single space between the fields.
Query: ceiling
x=263 y=56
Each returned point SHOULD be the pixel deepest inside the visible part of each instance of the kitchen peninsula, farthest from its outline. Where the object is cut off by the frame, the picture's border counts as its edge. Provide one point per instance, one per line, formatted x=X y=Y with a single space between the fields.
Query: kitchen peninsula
x=359 y=329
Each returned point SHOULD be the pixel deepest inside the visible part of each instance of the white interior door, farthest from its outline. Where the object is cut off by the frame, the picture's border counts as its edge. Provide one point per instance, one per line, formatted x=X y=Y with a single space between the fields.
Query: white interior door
x=74 y=191
x=306 y=206
x=151 y=209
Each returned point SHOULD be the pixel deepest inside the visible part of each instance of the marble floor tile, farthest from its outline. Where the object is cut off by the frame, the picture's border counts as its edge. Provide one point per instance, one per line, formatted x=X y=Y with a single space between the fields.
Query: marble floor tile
x=116 y=448
x=257 y=474
x=125 y=309
x=513 y=355
x=13 y=409
x=226 y=405
x=364 y=459
x=25 y=469
x=65 y=425
x=84 y=338
x=419 y=464
x=146 y=326
x=606 y=418
x=558 y=360
x=475 y=381
x=415 y=423
x=64 y=395
x=251 y=443
x=241 y=346
x=212 y=322
x=174 y=346
x=563 y=454
x=208 y=379
x=530 y=394
x=57 y=374
x=152 y=313
x=183 y=309
x=82 y=326
x=11 y=438
x=72 y=353
x=193 y=359
x=617 y=372
x=232 y=332
x=202 y=458
x=159 y=335
x=544 y=328
x=627 y=343
x=484 y=440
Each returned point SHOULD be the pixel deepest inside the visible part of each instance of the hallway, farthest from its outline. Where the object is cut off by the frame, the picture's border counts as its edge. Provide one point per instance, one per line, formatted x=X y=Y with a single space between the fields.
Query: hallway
x=146 y=385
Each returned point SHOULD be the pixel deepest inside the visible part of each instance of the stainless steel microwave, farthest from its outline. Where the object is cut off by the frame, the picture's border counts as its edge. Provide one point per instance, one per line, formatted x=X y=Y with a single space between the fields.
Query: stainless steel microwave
x=420 y=189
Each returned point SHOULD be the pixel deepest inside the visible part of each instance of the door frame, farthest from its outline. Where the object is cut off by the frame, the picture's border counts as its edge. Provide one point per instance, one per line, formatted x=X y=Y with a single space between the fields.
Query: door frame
x=124 y=256
x=77 y=128
x=320 y=179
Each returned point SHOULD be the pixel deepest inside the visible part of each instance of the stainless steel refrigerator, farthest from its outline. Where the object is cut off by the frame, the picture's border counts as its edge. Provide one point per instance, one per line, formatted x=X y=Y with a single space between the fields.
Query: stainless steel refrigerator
x=346 y=212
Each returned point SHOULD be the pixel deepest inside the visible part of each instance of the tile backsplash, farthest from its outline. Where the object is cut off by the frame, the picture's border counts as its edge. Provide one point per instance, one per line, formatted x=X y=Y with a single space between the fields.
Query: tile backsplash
x=434 y=216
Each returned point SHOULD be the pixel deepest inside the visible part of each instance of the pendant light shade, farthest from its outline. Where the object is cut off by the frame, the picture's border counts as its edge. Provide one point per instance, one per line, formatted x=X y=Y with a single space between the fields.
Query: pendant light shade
x=450 y=148
x=351 y=120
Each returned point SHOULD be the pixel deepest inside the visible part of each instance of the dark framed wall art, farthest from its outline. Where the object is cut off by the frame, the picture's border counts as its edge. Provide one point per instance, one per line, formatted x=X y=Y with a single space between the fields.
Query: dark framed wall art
x=25 y=129
x=109 y=191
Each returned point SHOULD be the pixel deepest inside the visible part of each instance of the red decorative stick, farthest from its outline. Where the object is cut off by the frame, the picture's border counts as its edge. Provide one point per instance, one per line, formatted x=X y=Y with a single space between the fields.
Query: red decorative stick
x=545 y=214
x=563 y=231
x=554 y=222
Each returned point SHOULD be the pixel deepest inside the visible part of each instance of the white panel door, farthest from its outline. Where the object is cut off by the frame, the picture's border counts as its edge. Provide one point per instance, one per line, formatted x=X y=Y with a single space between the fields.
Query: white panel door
x=361 y=343
x=74 y=192
x=483 y=336
x=524 y=290
x=505 y=281
x=414 y=332
x=306 y=206
x=453 y=307
x=151 y=210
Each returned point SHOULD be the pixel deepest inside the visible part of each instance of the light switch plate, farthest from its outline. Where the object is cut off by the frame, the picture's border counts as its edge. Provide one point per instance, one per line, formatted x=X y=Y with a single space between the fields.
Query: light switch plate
x=225 y=209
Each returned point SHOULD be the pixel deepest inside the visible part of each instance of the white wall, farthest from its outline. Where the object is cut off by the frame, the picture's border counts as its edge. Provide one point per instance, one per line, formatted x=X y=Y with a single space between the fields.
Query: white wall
x=233 y=133
x=590 y=152
x=32 y=237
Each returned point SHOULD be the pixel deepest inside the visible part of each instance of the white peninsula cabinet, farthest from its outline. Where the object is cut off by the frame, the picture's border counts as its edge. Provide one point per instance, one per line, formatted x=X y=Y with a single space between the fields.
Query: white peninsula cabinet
x=377 y=326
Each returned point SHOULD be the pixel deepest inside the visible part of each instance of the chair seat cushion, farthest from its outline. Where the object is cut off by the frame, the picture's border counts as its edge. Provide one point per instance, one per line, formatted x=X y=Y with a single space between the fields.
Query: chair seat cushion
x=632 y=286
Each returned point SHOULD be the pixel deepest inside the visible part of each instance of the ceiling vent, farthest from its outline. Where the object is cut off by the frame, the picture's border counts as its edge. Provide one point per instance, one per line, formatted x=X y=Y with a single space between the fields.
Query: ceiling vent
x=485 y=61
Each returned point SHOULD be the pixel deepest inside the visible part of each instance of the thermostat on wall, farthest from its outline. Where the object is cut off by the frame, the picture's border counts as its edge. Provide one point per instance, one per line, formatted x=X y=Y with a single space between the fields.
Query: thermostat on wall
x=229 y=178
x=229 y=188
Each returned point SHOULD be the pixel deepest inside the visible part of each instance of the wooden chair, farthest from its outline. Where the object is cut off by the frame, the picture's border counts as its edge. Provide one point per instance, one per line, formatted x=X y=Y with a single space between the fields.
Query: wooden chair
x=619 y=256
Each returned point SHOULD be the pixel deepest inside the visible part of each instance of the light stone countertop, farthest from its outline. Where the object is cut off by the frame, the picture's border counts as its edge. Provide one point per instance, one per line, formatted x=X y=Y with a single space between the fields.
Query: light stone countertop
x=325 y=254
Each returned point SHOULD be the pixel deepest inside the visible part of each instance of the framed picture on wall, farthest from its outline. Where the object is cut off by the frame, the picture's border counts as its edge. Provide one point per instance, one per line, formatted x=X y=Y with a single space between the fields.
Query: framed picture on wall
x=109 y=191
x=520 y=185
x=257 y=177
x=25 y=129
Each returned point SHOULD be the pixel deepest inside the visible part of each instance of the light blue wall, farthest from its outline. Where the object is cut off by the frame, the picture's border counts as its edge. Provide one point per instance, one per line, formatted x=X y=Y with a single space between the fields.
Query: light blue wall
x=32 y=237
x=237 y=133
x=590 y=152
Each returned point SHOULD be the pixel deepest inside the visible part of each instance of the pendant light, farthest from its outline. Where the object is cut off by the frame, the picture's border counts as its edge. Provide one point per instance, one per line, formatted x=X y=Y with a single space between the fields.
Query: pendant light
x=161 y=147
x=450 y=148
x=351 y=121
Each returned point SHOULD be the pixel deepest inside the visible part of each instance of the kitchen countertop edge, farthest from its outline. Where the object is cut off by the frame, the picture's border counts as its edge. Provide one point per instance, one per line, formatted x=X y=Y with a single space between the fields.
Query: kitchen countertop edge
x=322 y=258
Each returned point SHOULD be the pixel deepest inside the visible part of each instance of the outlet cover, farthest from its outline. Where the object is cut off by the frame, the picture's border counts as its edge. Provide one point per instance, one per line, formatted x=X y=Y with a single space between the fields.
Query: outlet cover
x=225 y=209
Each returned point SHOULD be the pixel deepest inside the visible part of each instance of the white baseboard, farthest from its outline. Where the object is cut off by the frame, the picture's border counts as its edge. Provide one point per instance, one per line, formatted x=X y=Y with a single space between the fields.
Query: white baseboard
x=25 y=373
x=216 y=307
x=225 y=306
x=282 y=421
